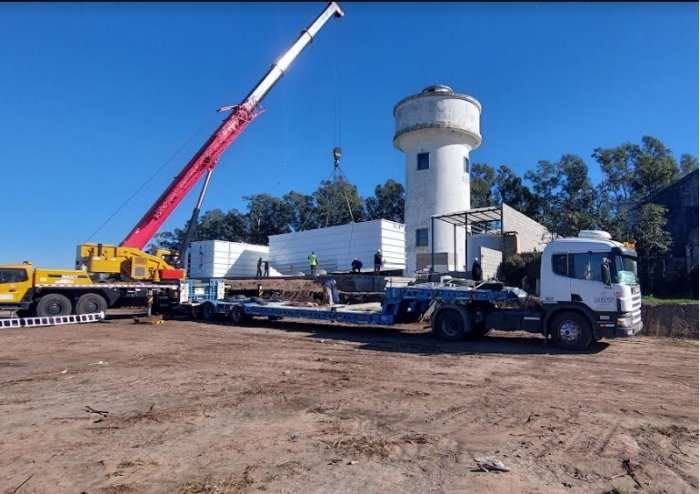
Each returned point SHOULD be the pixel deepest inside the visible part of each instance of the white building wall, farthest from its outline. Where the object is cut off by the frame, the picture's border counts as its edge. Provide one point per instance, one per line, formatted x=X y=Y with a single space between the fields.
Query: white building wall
x=532 y=236
x=446 y=125
x=337 y=246
x=491 y=259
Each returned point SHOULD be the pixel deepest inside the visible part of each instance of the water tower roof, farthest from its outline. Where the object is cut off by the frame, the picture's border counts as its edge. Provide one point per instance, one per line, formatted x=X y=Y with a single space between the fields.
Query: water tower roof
x=438 y=88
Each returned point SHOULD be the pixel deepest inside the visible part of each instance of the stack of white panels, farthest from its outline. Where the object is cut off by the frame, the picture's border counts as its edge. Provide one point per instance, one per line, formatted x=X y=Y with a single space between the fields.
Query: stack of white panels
x=337 y=246
x=221 y=259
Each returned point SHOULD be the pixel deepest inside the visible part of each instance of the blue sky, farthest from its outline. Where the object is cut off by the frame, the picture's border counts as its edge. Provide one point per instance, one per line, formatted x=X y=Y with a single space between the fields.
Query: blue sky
x=96 y=97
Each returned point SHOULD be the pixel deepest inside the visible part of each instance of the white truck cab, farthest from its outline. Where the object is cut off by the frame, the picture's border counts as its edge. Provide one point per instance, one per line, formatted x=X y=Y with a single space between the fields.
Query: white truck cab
x=595 y=277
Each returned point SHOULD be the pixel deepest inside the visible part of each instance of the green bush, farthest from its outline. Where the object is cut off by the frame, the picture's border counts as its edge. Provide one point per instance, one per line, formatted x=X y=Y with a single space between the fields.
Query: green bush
x=516 y=267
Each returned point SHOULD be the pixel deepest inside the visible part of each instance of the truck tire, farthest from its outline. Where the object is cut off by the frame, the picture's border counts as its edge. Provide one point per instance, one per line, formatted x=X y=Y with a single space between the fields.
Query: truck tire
x=238 y=316
x=571 y=331
x=90 y=303
x=53 y=304
x=448 y=325
x=196 y=311
x=207 y=311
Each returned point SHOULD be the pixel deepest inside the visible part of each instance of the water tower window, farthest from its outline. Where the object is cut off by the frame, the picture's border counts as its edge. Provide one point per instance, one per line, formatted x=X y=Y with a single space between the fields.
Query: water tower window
x=466 y=165
x=422 y=237
x=423 y=161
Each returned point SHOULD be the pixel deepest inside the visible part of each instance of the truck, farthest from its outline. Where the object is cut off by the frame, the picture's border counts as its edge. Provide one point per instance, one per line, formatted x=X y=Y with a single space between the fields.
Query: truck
x=127 y=267
x=589 y=290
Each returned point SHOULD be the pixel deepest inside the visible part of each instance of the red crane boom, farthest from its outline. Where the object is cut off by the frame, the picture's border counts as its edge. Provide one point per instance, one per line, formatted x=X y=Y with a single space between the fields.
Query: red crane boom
x=207 y=157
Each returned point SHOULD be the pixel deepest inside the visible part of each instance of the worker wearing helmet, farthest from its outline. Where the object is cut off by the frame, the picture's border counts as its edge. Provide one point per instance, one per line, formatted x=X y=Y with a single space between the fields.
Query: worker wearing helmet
x=313 y=263
x=378 y=261
x=476 y=270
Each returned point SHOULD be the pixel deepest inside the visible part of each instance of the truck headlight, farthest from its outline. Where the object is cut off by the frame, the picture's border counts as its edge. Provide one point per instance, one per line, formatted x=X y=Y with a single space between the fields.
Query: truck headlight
x=624 y=322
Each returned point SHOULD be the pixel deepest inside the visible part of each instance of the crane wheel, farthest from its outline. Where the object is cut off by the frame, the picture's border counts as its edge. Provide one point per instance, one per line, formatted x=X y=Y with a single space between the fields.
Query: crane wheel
x=90 y=303
x=53 y=304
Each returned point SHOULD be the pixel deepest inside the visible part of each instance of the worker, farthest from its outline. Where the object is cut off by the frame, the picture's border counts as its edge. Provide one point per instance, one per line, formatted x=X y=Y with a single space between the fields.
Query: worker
x=258 y=273
x=330 y=295
x=266 y=273
x=356 y=265
x=476 y=270
x=378 y=261
x=313 y=263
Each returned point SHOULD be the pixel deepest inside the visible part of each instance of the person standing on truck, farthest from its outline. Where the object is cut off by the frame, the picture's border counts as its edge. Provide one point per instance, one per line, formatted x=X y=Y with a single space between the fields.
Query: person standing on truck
x=378 y=261
x=356 y=265
x=476 y=270
x=266 y=273
x=313 y=263
x=258 y=273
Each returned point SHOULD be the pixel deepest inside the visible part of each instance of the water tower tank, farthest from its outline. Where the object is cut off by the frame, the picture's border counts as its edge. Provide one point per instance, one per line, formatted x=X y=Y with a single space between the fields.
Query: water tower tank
x=436 y=129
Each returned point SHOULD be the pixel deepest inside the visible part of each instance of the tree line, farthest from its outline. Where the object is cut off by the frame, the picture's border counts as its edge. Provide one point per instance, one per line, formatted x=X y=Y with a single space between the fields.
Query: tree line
x=560 y=195
x=335 y=202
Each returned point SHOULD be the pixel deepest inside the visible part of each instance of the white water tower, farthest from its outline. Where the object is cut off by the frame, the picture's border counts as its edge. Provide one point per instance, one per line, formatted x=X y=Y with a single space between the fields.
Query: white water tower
x=436 y=129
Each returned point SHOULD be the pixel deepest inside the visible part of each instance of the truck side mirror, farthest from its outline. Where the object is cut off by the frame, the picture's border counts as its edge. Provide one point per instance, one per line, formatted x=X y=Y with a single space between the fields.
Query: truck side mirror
x=605 y=274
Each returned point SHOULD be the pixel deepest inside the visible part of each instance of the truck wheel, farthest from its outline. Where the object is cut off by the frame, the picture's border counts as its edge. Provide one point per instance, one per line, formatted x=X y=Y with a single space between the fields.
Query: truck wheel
x=90 y=303
x=196 y=312
x=238 y=316
x=571 y=331
x=53 y=305
x=448 y=325
x=207 y=311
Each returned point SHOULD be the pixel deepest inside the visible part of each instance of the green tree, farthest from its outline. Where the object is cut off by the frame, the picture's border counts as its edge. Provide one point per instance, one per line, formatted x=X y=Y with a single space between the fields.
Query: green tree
x=509 y=189
x=388 y=202
x=652 y=242
x=267 y=215
x=482 y=182
x=303 y=211
x=689 y=163
x=338 y=203
x=564 y=198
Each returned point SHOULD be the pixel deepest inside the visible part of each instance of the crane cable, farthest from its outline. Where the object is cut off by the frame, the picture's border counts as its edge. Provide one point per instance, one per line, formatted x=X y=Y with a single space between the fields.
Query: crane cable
x=337 y=171
x=149 y=179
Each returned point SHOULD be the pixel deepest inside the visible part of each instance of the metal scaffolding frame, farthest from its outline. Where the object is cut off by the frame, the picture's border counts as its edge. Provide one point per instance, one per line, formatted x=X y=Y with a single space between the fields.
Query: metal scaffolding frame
x=478 y=219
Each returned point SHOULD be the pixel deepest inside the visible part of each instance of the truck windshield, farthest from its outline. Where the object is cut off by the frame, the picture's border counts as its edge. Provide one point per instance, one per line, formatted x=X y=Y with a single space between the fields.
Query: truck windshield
x=626 y=268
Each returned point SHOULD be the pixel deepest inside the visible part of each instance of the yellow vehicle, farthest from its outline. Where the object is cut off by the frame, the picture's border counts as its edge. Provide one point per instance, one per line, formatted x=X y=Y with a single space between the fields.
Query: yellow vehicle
x=46 y=293
x=128 y=268
x=128 y=263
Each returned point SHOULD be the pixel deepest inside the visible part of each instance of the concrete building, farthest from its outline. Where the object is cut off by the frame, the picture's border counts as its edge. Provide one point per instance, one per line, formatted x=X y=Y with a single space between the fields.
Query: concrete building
x=436 y=129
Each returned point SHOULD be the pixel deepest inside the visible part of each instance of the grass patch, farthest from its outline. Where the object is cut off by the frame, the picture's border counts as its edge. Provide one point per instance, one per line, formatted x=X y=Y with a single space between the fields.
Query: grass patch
x=651 y=300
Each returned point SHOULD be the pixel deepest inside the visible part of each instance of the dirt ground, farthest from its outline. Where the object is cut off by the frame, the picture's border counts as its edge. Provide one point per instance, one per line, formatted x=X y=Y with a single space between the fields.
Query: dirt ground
x=290 y=407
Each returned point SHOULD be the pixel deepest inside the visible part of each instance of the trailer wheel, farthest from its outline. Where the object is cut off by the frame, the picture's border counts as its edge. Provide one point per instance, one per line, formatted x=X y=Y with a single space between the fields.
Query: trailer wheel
x=274 y=318
x=90 y=303
x=207 y=311
x=571 y=331
x=52 y=305
x=238 y=316
x=449 y=325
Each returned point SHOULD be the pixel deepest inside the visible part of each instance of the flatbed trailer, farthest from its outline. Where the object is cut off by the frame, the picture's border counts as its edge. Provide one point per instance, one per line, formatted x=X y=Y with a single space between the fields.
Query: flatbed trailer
x=455 y=312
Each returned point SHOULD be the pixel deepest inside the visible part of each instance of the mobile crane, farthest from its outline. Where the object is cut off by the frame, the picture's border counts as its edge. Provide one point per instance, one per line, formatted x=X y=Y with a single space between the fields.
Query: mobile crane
x=46 y=292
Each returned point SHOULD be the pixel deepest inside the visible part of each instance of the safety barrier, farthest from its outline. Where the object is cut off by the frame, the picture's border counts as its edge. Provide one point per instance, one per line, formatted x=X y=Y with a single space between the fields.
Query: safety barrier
x=35 y=322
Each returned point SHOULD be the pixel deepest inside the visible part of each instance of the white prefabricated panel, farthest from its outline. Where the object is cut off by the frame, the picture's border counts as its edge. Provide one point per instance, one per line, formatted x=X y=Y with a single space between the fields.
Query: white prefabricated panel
x=336 y=247
x=436 y=129
x=222 y=259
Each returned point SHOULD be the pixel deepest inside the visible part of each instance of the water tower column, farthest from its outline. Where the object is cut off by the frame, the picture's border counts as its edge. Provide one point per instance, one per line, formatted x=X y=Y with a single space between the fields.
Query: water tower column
x=436 y=129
